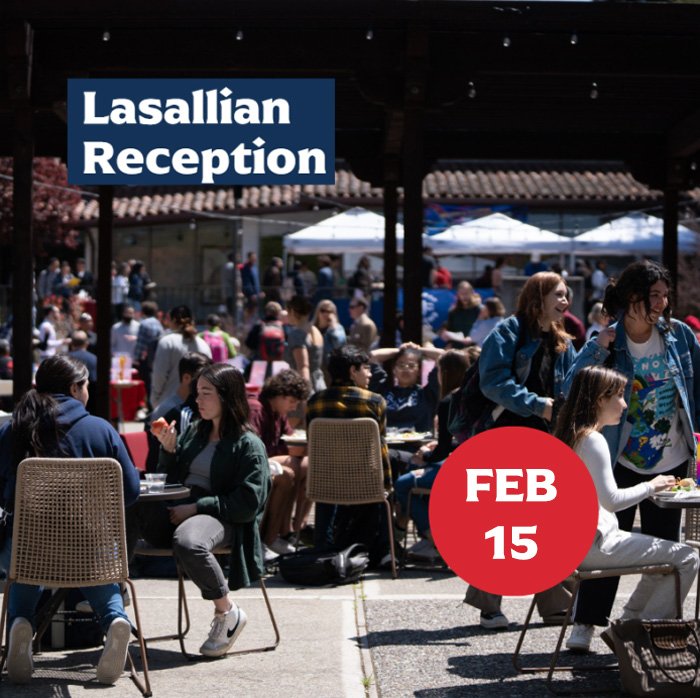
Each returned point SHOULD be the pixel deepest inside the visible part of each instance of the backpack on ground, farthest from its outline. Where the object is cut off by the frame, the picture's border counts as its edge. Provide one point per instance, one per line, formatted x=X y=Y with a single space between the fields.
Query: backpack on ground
x=311 y=568
x=272 y=341
x=219 y=350
x=470 y=410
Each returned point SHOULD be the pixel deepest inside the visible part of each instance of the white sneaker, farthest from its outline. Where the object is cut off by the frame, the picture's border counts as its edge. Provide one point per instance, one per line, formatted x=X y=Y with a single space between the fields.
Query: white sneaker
x=493 y=621
x=225 y=629
x=111 y=664
x=425 y=549
x=268 y=555
x=282 y=546
x=580 y=638
x=19 y=655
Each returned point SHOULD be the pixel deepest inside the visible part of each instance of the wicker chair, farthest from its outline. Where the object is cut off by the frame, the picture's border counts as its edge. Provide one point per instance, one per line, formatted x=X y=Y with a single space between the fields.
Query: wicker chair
x=69 y=532
x=578 y=576
x=345 y=466
x=692 y=537
x=183 y=612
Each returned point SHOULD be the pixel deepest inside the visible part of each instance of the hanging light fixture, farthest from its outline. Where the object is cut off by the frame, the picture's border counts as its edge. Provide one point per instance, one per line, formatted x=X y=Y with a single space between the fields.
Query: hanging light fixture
x=574 y=39
x=239 y=35
x=506 y=41
x=594 y=90
x=369 y=35
x=471 y=89
x=106 y=36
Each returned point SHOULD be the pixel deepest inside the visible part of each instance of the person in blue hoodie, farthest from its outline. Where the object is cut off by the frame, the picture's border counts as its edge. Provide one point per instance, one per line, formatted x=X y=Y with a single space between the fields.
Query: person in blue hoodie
x=51 y=420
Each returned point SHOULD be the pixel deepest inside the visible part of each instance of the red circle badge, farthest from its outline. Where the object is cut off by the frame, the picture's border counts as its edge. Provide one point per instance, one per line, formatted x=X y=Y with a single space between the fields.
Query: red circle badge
x=513 y=511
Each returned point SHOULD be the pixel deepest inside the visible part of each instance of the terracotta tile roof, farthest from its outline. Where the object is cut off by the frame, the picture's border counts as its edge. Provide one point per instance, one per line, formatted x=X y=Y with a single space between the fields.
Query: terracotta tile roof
x=448 y=184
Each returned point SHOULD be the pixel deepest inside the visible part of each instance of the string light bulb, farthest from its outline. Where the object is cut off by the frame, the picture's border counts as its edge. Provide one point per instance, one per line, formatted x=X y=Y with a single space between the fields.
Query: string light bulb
x=574 y=39
x=106 y=36
x=594 y=90
x=369 y=35
x=506 y=41
x=471 y=90
x=239 y=35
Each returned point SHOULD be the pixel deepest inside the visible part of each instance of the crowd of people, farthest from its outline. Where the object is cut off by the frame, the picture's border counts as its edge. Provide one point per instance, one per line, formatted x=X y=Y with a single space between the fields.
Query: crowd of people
x=626 y=399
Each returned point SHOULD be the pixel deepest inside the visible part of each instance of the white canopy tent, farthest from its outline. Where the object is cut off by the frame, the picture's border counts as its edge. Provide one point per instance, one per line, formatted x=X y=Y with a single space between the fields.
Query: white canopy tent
x=355 y=230
x=497 y=234
x=635 y=234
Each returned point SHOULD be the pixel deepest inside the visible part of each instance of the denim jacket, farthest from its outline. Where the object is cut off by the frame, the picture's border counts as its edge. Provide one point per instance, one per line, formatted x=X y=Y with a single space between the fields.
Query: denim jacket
x=683 y=359
x=496 y=366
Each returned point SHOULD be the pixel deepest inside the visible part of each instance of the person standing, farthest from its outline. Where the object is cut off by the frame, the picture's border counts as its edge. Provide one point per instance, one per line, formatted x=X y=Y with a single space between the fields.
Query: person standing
x=660 y=358
x=599 y=281
x=124 y=333
x=49 y=279
x=272 y=280
x=363 y=331
x=86 y=324
x=85 y=278
x=325 y=282
x=522 y=368
x=49 y=343
x=170 y=349
x=120 y=288
x=150 y=331
x=250 y=285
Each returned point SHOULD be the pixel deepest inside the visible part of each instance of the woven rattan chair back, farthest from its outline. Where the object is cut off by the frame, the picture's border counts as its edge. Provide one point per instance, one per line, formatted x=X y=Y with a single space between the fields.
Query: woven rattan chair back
x=69 y=523
x=345 y=461
x=69 y=531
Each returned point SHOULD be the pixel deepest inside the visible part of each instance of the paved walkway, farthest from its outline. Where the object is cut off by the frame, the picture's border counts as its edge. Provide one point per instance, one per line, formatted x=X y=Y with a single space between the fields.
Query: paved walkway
x=408 y=637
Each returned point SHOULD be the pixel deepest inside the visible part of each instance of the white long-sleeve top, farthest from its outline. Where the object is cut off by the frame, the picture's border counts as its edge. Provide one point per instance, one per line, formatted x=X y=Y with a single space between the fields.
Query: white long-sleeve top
x=593 y=451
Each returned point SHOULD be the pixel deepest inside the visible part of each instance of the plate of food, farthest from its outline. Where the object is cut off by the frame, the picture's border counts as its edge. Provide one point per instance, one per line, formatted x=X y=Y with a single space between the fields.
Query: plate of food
x=298 y=436
x=407 y=437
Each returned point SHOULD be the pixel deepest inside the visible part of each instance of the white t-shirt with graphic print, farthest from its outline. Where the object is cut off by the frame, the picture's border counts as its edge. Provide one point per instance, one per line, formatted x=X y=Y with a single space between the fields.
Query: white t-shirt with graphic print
x=656 y=444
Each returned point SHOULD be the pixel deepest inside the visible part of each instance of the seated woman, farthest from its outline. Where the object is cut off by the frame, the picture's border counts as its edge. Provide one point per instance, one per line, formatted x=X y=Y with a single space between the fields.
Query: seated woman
x=280 y=395
x=428 y=459
x=225 y=465
x=51 y=421
x=408 y=405
x=597 y=400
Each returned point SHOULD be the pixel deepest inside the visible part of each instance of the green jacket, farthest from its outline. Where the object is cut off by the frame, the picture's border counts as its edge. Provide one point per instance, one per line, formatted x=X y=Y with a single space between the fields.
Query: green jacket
x=240 y=483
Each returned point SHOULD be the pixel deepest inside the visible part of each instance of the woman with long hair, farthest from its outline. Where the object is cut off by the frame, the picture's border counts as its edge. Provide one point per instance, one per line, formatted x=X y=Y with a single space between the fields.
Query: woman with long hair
x=428 y=459
x=51 y=421
x=171 y=347
x=597 y=401
x=463 y=314
x=660 y=358
x=305 y=344
x=225 y=465
x=522 y=368
x=325 y=319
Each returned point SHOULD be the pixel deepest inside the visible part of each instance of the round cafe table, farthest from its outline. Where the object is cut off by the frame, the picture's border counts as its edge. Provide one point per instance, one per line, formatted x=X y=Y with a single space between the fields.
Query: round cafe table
x=170 y=492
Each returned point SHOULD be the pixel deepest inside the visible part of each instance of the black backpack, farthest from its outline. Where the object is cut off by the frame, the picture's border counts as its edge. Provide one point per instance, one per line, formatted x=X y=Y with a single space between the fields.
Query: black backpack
x=311 y=568
x=470 y=410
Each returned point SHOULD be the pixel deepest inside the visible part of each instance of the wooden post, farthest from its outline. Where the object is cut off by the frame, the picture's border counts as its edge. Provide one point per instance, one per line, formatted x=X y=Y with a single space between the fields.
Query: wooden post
x=103 y=326
x=388 y=338
x=20 y=46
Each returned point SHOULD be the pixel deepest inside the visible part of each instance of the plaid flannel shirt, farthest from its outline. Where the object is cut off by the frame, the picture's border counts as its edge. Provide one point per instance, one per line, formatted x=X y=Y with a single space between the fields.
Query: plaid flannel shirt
x=351 y=402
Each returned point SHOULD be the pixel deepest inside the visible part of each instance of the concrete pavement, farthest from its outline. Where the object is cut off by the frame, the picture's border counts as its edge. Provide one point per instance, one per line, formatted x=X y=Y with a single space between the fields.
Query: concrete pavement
x=380 y=637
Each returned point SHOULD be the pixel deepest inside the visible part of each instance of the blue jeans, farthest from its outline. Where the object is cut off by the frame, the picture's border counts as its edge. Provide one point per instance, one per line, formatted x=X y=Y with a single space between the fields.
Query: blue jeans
x=419 y=505
x=106 y=599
